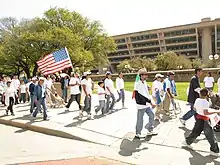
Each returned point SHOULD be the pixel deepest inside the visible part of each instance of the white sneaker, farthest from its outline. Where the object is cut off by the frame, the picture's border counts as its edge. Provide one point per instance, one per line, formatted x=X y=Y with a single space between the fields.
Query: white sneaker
x=80 y=115
x=150 y=133
x=183 y=122
x=187 y=145
x=214 y=154
x=90 y=117
x=140 y=136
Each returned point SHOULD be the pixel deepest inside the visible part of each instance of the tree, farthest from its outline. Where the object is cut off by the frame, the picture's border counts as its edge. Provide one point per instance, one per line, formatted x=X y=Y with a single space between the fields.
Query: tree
x=25 y=42
x=184 y=63
x=124 y=66
x=197 y=63
x=167 y=61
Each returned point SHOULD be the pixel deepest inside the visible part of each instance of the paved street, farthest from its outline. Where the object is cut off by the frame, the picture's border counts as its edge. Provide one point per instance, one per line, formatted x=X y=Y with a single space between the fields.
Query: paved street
x=114 y=132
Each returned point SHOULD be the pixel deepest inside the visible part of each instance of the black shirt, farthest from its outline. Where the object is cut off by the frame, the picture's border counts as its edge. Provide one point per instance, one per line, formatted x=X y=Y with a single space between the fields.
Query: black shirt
x=193 y=95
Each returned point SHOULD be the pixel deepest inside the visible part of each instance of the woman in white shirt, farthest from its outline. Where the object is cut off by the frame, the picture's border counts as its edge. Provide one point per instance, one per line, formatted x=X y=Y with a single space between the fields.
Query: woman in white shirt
x=23 y=90
x=209 y=82
x=120 y=88
x=10 y=93
x=157 y=94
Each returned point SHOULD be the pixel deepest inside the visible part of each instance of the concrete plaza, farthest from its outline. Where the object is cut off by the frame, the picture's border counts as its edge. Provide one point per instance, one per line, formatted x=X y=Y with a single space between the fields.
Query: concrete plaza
x=112 y=136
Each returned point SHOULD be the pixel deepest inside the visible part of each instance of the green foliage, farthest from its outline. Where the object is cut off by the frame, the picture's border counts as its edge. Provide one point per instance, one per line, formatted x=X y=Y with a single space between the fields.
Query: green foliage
x=197 y=63
x=25 y=42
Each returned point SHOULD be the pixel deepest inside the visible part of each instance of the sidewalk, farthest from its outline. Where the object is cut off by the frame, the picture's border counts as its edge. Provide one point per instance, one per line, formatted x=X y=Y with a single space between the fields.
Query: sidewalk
x=115 y=130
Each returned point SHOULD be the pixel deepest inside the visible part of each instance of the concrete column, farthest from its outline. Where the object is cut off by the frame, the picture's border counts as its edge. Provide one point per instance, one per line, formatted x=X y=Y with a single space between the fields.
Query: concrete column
x=197 y=40
x=206 y=44
x=216 y=39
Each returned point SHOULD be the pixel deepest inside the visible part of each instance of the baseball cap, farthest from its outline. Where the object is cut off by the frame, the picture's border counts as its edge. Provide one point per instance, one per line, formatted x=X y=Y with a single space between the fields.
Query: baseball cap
x=108 y=73
x=41 y=78
x=159 y=76
x=170 y=73
x=34 y=78
x=86 y=73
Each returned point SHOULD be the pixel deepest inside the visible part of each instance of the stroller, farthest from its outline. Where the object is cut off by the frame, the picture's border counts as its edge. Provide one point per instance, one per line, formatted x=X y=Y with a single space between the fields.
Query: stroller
x=215 y=104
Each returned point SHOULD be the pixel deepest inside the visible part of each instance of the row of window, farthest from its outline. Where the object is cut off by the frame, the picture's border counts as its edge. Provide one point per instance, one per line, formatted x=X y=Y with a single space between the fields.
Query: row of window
x=144 y=37
x=178 y=47
x=120 y=41
x=139 y=51
x=180 y=32
x=136 y=45
x=179 y=40
x=119 y=53
x=122 y=46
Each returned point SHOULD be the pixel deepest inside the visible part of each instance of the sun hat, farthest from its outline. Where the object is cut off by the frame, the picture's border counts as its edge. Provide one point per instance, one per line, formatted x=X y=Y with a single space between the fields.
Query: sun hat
x=159 y=76
x=142 y=71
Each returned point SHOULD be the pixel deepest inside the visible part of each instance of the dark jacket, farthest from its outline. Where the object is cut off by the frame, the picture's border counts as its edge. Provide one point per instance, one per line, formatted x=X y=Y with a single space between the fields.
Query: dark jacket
x=193 y=95
x=38 y=92
x=140 y=99
x=31 y=88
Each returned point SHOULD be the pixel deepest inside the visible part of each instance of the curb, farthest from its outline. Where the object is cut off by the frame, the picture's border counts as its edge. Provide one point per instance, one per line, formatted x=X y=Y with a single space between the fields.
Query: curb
x=44 y=130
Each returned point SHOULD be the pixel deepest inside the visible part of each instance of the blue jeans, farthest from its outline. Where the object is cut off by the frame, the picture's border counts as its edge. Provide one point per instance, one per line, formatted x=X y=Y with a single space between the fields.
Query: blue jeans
x=190 y=113
x=32 y=103
x=64 y=94
x=121 y=95
x=108 y=105
x=140 y=120
x=40 y=102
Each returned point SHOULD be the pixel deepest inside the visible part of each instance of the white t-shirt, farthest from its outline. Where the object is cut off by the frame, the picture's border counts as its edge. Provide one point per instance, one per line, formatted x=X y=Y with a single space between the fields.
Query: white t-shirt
x=49 y=83
x=23 y=88
x=74 y=90
x=142 y=88
x=88 y=85
x=119 y=83
x=201 y=105
x=157 y=85
x=218 y=86
x=209 y=82
x=101 y=93
x=168 y=84
x=15 y=83
x=110 y=84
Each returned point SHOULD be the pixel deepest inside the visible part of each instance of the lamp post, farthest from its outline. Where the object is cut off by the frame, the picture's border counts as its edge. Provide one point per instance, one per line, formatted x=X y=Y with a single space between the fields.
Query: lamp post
x=214 y=58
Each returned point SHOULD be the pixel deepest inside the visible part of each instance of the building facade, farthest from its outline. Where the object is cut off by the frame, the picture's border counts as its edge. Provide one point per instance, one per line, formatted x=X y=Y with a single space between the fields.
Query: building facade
x=197 y=40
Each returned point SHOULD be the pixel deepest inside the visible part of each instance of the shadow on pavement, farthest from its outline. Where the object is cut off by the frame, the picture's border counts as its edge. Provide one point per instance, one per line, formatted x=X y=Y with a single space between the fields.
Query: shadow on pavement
x=21 y=130
x=198 y=159
x=66 y=112
x=23 y=110
x=129 y=147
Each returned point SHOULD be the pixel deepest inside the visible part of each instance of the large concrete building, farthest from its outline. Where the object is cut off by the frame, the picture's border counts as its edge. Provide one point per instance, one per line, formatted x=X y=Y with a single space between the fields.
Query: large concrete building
x=197 y=40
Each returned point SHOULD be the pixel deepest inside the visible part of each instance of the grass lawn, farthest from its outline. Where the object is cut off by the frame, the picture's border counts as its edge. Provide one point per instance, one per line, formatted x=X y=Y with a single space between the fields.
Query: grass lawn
x=181 y=89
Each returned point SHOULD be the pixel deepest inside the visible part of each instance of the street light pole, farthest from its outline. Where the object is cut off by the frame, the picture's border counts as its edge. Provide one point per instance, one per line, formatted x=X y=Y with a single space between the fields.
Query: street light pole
x=214 y=58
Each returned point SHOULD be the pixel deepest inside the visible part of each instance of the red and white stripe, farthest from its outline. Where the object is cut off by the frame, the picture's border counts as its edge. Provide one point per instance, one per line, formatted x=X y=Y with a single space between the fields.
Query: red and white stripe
x=47 y=65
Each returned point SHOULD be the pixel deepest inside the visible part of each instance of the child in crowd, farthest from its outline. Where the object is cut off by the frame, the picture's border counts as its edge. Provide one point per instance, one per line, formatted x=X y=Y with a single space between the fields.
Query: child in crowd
x=203 y=124
x=23 y=91
x=101 y=95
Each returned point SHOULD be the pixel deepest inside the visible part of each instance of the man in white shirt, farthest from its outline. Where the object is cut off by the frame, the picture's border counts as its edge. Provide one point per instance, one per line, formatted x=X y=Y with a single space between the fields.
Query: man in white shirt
x=168 y=92
x=120 y=88
x=144 y=105
x=157 y=93
x=209 y=82
x=109 y=87
x=86 y=95
x=16 y=84
x=203 y=123
x=74 y=91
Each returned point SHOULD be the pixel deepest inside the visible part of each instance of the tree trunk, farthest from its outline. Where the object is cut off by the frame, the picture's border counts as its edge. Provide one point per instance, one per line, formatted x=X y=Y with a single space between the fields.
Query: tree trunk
x=35 y=70
x=27 y=71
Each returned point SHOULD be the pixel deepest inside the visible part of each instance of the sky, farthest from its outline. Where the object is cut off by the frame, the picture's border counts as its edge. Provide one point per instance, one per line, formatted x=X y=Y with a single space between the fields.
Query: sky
x=121 y=16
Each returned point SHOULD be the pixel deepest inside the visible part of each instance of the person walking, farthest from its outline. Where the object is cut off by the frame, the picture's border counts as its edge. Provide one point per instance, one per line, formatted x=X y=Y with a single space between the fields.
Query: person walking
x=16 y=83
x=23 y=91
x=40 y=98
x=144 y=105
x=168 y=89
x=209 y=82
x=194 y=91
x=157 y=94
x=85 y=100
x=74 y=91
x=120 y=89
x=31 y=90
x=64 y=86
x=101 y=96
x=10 y=94
x=203 y=124
x=109 y=87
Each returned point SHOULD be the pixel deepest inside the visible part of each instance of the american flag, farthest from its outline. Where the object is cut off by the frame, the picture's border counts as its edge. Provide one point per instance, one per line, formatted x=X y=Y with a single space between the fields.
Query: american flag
x=55 y=62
